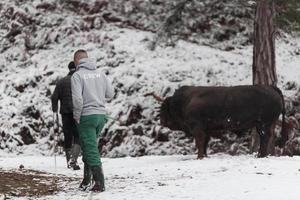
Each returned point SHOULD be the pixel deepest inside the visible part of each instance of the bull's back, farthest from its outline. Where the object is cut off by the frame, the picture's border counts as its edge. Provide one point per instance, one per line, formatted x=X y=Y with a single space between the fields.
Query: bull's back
x=233 y=107
x=260 y=103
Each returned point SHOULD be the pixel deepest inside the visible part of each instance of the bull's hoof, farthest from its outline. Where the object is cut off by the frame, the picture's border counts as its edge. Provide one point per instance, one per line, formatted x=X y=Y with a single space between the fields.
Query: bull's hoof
x=201 y=157
x=261 y=155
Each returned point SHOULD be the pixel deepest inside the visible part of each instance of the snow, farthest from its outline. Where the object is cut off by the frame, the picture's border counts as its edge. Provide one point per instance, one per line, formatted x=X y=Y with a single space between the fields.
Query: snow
x=180 y=177
x=28 y=75
x=135 y=71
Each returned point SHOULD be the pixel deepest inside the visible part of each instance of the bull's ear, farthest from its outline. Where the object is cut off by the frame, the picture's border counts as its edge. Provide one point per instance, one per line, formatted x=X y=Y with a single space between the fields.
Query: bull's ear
x=164 y=107
x=167 y=102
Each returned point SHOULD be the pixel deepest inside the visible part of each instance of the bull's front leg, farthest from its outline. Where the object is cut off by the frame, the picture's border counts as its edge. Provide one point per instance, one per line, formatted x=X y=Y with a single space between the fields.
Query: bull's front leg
x=207 y=137
x=200 y=139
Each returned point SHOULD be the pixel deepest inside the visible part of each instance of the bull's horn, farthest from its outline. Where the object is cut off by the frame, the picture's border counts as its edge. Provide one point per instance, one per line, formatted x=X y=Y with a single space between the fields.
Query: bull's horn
x=157 y=98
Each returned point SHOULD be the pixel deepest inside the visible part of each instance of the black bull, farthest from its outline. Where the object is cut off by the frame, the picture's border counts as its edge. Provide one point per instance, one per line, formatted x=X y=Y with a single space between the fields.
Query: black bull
x=201 y=110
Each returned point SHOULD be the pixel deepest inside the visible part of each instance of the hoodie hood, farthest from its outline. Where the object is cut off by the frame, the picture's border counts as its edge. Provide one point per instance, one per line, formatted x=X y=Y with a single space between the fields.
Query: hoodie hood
x=86 y=63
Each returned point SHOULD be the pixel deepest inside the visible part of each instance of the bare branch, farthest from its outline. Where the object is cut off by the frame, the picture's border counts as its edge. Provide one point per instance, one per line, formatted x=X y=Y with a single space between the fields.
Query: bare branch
x=248 y=3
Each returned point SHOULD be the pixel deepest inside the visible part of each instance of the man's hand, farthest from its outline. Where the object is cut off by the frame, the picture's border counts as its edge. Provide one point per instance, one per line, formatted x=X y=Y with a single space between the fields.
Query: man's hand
x=77 y=121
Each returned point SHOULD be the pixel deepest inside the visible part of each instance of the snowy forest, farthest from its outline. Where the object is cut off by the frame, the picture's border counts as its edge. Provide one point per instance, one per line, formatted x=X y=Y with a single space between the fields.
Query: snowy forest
x=148 y=49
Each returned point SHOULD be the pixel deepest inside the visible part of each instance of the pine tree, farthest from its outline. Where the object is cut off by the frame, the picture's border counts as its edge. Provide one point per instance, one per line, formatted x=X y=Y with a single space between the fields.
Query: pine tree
x=264 y=66
x=266 y=23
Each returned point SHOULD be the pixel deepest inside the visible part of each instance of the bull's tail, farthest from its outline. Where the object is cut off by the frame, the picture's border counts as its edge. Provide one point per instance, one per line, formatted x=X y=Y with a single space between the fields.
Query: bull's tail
x=284 y=133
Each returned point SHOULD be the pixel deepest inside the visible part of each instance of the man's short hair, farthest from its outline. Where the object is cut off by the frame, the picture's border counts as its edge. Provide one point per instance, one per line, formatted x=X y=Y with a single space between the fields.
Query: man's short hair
x=72 y=66
x=81 y=53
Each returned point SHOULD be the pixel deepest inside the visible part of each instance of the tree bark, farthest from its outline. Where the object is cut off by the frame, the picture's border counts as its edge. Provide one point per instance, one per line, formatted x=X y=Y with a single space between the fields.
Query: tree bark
x=264 y=66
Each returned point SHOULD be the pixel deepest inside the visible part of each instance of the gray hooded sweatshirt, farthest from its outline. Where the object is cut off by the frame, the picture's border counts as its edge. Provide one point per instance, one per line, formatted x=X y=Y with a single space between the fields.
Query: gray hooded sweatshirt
x=90 y=90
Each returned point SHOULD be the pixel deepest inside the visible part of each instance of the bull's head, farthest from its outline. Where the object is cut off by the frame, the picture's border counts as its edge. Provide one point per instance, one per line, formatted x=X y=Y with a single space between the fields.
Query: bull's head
x=166 y=116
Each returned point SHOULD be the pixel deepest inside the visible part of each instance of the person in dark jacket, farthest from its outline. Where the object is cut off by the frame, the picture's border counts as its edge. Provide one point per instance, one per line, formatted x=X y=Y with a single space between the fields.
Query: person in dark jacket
x=63 y=94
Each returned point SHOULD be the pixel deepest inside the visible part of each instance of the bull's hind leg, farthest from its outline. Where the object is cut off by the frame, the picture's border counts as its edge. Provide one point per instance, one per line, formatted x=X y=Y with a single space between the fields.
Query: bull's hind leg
x=200 y=139
x=264 y=132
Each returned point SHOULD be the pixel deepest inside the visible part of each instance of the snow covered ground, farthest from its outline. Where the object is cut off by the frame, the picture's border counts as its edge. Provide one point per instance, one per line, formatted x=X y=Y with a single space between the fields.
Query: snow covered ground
x=135 y=71
x=218 y=177
x=30 y=65
x=28 y=75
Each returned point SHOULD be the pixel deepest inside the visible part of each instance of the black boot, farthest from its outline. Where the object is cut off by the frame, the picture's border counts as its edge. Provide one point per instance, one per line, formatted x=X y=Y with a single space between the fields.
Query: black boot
x=68 y=156
x=98 y=177
x=86 y=177
x=74 y=165
x=74 y=156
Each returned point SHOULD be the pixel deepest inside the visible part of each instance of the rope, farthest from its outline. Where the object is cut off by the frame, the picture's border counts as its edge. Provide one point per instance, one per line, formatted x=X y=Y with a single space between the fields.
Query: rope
x=115 y=119
x=55 y=139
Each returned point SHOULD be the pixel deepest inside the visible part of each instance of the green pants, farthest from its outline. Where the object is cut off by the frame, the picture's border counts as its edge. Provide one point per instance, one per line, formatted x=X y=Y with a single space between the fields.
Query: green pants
x=89 y=129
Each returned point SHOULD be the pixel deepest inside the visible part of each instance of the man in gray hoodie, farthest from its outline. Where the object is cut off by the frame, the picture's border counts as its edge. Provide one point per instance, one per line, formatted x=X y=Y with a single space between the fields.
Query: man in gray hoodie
x=90 y=90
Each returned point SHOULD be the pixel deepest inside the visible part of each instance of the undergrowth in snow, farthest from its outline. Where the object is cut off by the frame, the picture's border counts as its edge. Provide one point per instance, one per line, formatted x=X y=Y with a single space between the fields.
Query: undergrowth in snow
x=38 y=41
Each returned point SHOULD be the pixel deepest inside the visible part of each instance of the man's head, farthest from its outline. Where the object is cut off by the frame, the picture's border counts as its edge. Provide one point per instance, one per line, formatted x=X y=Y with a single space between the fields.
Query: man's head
x=72 y=66
x=78 y=55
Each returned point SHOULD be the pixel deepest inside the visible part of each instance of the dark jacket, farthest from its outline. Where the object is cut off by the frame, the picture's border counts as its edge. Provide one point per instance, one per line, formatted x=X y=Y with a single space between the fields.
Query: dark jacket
x=63 y=93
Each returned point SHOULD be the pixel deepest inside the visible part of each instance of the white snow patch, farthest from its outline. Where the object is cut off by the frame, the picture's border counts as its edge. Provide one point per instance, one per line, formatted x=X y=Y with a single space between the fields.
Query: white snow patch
x=181 y=177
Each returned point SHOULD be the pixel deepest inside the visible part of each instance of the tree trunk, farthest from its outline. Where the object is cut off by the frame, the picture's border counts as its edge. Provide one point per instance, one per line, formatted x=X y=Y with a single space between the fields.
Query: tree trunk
x=264 y=68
